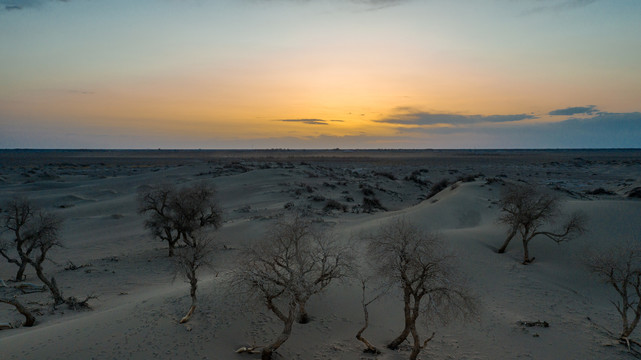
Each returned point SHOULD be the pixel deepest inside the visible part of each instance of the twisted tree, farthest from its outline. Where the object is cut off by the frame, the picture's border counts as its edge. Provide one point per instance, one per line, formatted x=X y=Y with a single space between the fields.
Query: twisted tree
x=620 y=267
x=291 y=264
x=156 y=203
x=417 y=263
x=177 y=214
x=190 y=259
x=526 y=209
x=35 y=233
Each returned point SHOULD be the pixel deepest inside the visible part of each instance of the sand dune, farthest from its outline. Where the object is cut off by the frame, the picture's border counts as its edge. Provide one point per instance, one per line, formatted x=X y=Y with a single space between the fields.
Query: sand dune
x=139 y=301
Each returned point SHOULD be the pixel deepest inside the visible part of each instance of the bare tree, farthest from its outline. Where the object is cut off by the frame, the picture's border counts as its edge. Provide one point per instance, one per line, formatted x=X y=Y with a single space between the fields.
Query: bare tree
x=18 y=221
x=526 y=209
x=620 y=266
x=194 y=208
x=176 y=214
x=190 y=260
x=416 y=262
x=48 y=227
x=35 y=232
x=156 y=202
x=367 y=298
x=291 y=264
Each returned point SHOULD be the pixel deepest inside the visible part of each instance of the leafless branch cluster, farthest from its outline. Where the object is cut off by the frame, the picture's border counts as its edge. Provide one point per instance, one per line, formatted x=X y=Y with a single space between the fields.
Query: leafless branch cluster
x=190 y=259
x=186 y=214
x=177 y=214
x=526 y=209
x=417 y=263
x=294 y=262
x=34 y=232
x=620 y=267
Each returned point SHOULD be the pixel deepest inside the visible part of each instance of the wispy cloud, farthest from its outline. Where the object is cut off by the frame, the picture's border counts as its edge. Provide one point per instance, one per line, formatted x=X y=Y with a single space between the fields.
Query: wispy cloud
x=588 y=110
x=11 y=5
x=557 y=5
x=408 y=116
x=310 y=121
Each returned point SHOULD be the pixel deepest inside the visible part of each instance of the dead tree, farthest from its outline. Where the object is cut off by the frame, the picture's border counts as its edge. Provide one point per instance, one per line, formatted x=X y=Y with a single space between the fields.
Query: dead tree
x=194 y=208
x=291 y=264
x=177 y=214
x=526 y=209
x=36 y=232
x=47 y=238
x=416 y=262
x=367 y=298
x=620 y=267
x=190 y=260
x=160 y=222
x=18 y=221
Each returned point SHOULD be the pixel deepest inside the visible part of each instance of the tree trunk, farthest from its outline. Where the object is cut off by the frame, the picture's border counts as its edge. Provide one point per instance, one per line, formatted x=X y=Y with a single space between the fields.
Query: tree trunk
x=193 y=282
x=408 y=320
x=303 y=318
x=526 y=254
x=635 y=321
x=507 y=241
x=416 y=347
x=55 y=292
x=20 y=273
x=29 y=318
x=287 y=330
x=359 y=335
x=171 y=249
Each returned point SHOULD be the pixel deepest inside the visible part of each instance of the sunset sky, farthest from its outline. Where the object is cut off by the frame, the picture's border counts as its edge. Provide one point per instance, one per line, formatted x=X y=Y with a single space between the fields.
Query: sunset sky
x=320 y=74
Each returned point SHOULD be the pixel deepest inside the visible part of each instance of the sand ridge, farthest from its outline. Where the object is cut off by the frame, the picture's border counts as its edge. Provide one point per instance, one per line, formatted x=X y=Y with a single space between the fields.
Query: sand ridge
x=139 y=301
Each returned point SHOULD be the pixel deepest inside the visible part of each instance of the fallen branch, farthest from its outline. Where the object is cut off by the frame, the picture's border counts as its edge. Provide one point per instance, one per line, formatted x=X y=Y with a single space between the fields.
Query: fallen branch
x=71 y=266
x=249 y=349
x=74 y=304
x=538 y=323
x=28 y=288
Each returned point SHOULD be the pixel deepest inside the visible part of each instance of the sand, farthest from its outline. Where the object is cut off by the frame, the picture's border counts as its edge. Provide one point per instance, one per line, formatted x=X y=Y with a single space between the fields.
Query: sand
x=140 y=300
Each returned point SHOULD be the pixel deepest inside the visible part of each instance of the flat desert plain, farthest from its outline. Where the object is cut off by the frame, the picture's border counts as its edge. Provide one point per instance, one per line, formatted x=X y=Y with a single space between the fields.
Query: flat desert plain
x=139 y=299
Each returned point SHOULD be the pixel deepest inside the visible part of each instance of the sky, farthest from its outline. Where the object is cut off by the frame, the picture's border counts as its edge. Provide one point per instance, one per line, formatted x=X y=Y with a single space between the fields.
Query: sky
x=255 y=74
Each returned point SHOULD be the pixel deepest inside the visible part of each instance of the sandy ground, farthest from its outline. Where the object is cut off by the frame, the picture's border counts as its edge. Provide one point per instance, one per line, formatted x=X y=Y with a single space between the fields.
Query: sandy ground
x=140 y=301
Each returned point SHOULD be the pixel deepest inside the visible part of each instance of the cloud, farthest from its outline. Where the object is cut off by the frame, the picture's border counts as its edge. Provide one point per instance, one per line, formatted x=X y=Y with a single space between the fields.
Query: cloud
x=558 y=5
x=310 y=121
x=10 y=5
x=588 y=110
x=421 y=118
x=603 y=130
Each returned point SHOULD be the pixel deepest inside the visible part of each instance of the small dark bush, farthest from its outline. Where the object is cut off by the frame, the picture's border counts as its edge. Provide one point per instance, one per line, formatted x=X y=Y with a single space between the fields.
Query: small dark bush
x=438 y=187
x=331 y=186
x=317 y=198
x=468 y=178
x=386 y=174
x=415 y=176
x=334 y=205
x=600 y=191
x=367 y=191
x=370 y=205
x=635 y=193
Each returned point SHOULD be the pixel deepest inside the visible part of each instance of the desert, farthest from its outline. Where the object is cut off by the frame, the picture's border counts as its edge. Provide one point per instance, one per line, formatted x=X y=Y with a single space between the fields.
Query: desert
x=136 y=299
